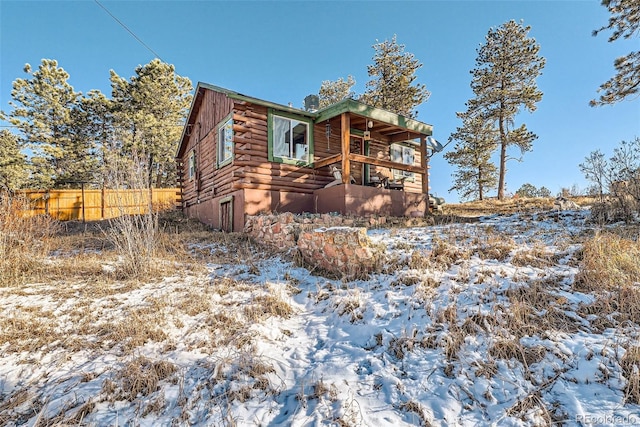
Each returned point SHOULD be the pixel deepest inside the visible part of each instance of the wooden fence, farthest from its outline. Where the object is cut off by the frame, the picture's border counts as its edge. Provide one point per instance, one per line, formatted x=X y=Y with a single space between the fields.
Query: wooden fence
x=90 y=205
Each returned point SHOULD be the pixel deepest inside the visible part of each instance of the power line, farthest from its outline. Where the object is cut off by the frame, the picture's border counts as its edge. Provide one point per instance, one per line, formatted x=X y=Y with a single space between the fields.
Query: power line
x=130 y=32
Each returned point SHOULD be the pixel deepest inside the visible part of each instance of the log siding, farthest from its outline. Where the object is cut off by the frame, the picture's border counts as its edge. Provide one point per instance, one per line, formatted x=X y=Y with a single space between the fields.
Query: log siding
x=253 y=181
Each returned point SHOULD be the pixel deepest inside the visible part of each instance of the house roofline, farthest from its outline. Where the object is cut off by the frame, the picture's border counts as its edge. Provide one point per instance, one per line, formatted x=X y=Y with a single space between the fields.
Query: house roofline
x=344 y=106
x=379 y=114
x=241 y=97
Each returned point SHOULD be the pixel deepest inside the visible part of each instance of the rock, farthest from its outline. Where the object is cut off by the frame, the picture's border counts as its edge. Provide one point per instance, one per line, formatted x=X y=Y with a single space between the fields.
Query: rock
x=564 y=204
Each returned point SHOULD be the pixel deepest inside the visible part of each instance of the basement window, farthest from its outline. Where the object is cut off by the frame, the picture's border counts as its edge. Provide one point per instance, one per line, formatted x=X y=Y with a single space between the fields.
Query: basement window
x=290 y=139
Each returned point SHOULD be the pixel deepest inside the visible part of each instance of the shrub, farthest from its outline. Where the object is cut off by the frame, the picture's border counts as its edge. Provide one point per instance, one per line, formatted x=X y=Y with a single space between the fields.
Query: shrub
x=23 y=239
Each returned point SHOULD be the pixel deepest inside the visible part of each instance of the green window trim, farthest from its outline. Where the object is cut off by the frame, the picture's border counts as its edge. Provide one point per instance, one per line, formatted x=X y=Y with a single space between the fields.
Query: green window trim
x=270 y=136
x=220 y=162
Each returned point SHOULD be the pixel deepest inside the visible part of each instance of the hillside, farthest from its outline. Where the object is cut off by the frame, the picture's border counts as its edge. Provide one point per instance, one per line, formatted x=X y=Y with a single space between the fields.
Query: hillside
x=523 y=318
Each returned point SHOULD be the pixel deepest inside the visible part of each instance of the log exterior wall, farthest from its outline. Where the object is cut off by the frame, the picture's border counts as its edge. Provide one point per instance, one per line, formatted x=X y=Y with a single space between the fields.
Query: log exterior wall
x=251 y=184
x=254 y=184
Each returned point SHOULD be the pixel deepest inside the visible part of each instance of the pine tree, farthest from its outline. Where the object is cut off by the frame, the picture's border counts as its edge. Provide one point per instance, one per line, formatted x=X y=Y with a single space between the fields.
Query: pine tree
x=94 y=131
x=42 y=110
x=393 y=86
x=544 y=192
x=625 y=23
x=332 y=92
x=13 y=165
x=527 y=190
x=475 y=141
x=504 y=82
x=149 y=114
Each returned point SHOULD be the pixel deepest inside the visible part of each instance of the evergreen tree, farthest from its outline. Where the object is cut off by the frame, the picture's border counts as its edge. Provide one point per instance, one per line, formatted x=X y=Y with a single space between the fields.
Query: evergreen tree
x=332 y=92
x=544 y=192
x=625 y=23
x=93 y=129
x=393 y=85
x=42 y=110
x=504 y=82
x=475 y=141
x=527 y=190
x=149 y=113
x=13 y=166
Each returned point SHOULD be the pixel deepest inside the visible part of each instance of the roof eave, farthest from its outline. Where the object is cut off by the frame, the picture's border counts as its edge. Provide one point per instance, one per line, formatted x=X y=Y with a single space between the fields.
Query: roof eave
x=378 y=114
x=240 y=97
x=196 y=99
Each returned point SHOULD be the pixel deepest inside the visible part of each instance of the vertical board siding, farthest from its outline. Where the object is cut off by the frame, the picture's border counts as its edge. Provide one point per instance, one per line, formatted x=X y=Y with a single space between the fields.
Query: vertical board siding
x=214 y=108
x=67 y=205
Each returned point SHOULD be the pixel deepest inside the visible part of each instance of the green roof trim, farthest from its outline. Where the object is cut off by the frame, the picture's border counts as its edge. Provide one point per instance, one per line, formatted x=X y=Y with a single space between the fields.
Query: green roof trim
x=240 y=97
x=352 y=106
x=344 y=106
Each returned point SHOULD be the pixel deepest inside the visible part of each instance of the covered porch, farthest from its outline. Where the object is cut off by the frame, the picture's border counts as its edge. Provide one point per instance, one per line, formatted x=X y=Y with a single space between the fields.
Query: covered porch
x=381 y=166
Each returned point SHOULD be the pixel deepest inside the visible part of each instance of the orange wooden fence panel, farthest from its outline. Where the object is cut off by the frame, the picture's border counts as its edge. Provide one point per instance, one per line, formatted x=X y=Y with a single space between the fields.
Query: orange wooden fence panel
x=90 y=205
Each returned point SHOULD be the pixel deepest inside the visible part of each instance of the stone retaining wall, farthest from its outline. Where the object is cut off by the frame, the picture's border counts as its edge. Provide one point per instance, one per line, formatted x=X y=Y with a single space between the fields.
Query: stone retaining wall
x=340 y=251
x=330 y=243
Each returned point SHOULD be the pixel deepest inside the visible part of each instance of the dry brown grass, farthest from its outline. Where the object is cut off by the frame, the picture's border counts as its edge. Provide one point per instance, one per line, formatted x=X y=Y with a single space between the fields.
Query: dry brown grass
x=136 y=328
x=537 y=256
x=532 y=405
x=193 y=300
x=622 y=207
x=508 y=349
x=28 y=330
x=620 y=307
x=263 y=306
x=446 y=253
x=494 y=246
x=400 y=346
x=416 y=408
x=535 y=294
x=246 y=376
x=426 y=289
x=419 y=260
x=350 y=304
x=610 y=269
x=630 y=364
x=19 y=398
x=609 y=262
x=492 y=206
x=24 y=240
x=139 y=377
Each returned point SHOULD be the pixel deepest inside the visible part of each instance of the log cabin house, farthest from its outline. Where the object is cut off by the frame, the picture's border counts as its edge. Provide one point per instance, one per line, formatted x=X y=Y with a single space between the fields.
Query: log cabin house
x=240 y=155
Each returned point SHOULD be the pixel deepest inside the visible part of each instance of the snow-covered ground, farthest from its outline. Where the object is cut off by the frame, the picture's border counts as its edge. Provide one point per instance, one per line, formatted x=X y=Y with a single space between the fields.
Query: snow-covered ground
x=467 y=324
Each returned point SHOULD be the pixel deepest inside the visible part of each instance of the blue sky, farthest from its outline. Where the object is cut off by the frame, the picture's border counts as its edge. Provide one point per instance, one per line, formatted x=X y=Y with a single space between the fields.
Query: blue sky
x=281 y=51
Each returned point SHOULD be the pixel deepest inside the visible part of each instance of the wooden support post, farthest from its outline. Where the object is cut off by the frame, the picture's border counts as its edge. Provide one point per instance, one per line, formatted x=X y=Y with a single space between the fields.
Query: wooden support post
x=102 y=197
x=82 y=188
x=345 y=123
x=424 y=165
